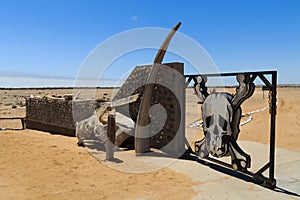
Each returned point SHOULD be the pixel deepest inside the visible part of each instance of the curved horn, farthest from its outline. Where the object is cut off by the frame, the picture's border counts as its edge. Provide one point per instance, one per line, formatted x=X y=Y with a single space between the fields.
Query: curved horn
x=142 y=144
x=163 y=48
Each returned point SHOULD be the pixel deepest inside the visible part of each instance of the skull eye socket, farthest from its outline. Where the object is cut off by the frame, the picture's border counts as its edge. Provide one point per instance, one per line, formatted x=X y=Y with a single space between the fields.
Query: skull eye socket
x=223 y=123
x=209 y=121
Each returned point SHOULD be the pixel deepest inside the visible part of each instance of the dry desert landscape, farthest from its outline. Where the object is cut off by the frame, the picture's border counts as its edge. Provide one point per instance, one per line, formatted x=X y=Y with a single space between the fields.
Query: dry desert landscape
x=38 y=165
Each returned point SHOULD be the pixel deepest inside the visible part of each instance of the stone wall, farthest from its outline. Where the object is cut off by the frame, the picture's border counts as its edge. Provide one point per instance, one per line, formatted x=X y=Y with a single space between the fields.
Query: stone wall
x=56 y=115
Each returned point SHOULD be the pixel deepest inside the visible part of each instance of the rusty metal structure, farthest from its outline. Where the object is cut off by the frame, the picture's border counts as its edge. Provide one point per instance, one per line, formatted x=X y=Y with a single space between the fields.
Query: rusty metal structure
x=240 y=160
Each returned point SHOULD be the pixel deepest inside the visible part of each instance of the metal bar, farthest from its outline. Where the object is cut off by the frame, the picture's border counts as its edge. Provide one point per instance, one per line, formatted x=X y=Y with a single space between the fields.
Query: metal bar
x=194 y=79
x=264 y=168
x=253 y=78
x=273 y=127
x=232 y=74
x=188 y=81
x=228 y=166
x=267 y=181
x=23 y=123
x=265 y=80
x=219 y=162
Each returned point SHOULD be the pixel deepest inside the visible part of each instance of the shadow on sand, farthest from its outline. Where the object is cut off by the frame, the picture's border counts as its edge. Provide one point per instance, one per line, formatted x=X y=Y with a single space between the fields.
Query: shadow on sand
x=226 y=170
x=99 y=147
x=211 y=163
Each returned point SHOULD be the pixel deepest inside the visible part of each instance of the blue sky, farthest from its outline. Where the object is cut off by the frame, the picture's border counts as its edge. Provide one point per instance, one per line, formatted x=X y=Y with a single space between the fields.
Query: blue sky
x=52 y=38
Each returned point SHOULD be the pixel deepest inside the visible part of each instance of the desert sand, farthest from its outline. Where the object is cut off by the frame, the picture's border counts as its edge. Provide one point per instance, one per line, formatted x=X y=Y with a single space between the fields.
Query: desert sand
x=38 y=165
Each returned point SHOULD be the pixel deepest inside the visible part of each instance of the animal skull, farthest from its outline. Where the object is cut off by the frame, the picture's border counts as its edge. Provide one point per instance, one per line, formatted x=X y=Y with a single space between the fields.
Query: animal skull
x=217 y=115
x=221 y=114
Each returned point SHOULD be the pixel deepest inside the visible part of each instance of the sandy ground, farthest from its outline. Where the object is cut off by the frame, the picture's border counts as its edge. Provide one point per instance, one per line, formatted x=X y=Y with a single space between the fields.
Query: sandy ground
x=38 y=165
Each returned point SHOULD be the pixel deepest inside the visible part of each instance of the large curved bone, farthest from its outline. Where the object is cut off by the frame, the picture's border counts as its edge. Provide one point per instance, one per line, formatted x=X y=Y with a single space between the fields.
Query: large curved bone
x=141 y=135
x=200 y=88
x=243 y=91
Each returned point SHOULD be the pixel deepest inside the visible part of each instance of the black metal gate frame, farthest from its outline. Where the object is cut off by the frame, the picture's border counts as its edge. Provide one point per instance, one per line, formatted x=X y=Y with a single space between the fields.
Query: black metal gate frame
x=257 y=177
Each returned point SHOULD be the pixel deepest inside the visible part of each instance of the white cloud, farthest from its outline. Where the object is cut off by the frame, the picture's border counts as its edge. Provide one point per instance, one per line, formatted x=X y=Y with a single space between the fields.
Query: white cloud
x=134 y=18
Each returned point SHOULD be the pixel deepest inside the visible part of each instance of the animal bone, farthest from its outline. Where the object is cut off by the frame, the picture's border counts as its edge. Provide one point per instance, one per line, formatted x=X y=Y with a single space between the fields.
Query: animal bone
x=92 y=128
x=239 y=159
x=95 y=127
x=243 y=91
x=200 y=88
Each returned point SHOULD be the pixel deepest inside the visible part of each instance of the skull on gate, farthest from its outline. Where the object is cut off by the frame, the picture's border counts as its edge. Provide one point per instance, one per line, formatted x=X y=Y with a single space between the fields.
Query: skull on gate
x=217 y=115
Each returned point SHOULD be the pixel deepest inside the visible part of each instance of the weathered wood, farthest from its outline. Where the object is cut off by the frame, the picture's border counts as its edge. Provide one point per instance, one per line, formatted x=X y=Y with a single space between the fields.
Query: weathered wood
x=111 y=134
x=124 y=101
